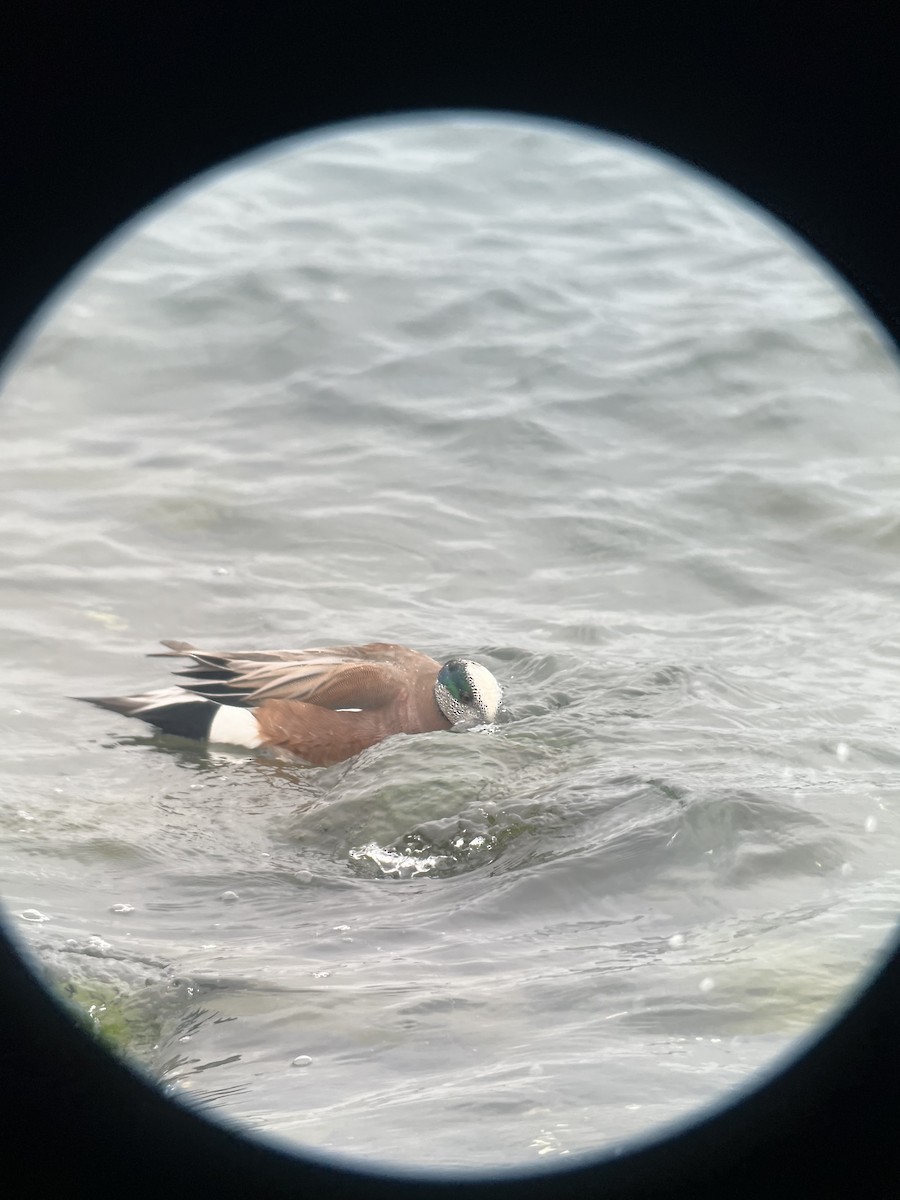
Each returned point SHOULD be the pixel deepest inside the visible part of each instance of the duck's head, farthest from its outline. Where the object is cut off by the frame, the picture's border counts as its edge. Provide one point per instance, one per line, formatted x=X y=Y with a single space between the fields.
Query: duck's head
x=467 y=693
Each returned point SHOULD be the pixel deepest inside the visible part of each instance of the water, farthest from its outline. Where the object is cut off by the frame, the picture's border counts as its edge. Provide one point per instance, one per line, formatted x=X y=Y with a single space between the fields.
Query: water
x=487 y=389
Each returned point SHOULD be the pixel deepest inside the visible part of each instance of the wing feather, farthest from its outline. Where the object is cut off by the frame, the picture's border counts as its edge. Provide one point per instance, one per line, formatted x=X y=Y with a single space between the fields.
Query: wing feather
x=362 y=677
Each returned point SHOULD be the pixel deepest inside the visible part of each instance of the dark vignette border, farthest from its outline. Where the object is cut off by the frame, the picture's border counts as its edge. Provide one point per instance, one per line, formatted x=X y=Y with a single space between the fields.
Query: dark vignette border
x=106 y=105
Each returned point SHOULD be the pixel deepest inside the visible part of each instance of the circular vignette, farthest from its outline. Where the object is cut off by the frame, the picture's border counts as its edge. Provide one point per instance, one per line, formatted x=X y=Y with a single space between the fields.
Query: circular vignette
x=126 y=113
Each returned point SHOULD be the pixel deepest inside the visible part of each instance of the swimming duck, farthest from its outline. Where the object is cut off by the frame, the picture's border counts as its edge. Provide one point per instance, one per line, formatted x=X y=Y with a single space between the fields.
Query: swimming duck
x=321 y=706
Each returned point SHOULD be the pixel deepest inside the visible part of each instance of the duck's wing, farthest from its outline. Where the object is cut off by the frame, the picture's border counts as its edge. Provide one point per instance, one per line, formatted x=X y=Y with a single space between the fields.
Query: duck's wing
x=336 y=677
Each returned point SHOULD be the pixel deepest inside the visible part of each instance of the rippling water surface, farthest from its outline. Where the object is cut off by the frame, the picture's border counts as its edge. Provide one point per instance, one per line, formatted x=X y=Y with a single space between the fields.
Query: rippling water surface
x=486 y=389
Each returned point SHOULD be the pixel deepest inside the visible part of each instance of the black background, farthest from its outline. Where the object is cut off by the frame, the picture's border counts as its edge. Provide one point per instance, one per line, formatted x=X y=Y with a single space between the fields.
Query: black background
x=105 y=106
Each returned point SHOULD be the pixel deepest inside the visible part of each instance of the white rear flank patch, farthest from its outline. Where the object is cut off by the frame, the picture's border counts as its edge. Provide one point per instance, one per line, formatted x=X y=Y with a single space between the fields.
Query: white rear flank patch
x=348 y=710
x=235 y=727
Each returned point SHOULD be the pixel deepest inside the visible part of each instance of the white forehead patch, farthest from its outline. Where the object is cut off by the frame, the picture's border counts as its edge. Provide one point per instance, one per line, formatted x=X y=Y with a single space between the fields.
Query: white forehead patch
x=483 y=682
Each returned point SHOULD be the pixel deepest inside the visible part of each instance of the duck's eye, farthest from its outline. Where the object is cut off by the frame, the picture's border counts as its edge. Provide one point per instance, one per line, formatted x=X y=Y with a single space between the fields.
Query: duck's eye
x=465 y=694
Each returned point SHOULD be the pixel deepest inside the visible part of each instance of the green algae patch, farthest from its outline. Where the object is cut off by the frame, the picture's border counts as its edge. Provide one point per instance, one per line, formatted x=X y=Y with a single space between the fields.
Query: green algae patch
x=119 y=1021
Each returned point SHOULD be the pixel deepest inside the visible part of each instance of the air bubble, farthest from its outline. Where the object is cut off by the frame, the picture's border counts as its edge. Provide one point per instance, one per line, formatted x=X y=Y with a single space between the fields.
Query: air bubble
x=32 y=914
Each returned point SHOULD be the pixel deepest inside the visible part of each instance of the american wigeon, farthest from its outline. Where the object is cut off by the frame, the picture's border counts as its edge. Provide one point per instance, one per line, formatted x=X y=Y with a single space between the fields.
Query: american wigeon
x=321 y=706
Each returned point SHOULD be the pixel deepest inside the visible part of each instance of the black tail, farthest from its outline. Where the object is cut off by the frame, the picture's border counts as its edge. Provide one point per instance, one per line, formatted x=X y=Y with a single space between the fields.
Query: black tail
x=171 y=710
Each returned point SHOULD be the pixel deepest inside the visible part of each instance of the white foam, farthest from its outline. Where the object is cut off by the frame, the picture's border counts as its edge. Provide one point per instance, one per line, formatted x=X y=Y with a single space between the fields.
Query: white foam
x=235 y=726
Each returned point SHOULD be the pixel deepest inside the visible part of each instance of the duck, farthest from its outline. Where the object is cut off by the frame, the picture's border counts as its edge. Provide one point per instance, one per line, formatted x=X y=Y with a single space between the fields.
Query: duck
x=320 y=706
